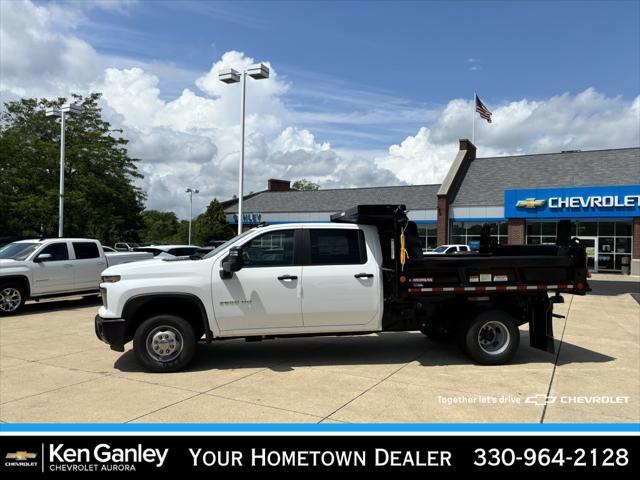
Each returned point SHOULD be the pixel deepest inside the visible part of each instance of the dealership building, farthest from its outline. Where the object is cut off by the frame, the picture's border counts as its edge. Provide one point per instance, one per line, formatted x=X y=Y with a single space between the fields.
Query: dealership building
x=522 y=197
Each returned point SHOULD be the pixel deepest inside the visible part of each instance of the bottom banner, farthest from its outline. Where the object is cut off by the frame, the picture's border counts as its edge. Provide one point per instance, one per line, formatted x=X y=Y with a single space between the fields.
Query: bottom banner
x=53 y=456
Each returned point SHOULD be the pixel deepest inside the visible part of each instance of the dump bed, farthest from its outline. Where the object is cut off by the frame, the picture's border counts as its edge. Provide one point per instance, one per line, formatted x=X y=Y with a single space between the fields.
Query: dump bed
x=496 y=268
x=496 y=272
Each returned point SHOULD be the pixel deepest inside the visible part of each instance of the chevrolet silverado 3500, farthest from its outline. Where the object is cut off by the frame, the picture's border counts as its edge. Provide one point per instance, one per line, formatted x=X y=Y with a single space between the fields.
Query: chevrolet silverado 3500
x=363 y=273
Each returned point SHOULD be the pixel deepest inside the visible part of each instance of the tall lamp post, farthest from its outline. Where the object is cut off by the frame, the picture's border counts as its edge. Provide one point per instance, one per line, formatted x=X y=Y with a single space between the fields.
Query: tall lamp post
x=67 y=108
x=191 y=191
x=259 y=72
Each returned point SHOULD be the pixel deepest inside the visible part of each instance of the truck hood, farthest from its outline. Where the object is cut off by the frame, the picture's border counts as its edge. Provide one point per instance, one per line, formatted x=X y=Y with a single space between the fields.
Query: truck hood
x=11 y=266
x=154 y=268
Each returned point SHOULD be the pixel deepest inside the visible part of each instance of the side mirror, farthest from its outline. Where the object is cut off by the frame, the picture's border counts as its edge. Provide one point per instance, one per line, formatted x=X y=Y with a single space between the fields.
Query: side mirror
x=43 y=257
x=233 y=262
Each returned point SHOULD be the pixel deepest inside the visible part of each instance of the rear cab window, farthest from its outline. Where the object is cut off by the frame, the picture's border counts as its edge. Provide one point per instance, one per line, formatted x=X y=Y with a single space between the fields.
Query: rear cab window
x=86 y=250
x=333 y=246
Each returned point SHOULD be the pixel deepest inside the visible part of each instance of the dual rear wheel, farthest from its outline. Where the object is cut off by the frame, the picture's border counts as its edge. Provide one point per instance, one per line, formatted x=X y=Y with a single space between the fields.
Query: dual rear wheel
x=491 y=338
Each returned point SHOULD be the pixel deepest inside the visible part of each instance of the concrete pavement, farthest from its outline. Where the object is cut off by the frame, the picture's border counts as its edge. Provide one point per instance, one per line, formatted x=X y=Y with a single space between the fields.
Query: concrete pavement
x=54 y=369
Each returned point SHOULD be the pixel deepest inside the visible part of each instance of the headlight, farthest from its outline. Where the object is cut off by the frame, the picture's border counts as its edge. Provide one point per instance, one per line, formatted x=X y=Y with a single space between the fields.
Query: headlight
x=110 y=278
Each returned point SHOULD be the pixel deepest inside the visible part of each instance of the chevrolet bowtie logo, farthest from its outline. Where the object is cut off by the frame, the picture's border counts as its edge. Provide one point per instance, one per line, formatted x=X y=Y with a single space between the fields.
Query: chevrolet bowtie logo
x=530 y=203
x=21 y=456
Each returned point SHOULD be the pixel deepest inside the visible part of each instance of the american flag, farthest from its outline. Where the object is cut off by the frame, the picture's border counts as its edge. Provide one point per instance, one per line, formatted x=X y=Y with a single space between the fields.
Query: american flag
x=482 y=110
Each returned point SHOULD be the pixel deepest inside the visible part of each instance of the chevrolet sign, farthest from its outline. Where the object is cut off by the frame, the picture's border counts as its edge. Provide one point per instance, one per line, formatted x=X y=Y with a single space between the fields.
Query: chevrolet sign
x=530 y=203
x=618 y=201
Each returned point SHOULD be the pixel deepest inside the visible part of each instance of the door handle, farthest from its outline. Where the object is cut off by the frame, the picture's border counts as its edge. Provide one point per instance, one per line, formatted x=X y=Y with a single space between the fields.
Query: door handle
x=67 y=265
x=100 y=264
x=287 y=277
x=363 y=275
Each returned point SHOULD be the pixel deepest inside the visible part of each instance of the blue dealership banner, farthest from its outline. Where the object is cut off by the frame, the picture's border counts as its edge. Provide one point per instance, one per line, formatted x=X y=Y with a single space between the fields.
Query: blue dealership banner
x=573 y=202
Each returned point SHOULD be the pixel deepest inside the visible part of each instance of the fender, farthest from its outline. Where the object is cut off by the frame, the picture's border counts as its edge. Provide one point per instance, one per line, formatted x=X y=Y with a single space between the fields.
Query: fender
x=137 y=301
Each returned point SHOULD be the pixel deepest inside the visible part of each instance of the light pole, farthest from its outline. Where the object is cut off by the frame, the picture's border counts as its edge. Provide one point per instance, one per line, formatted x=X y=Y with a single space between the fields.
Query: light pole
x=259 y=72
x=60 y=112
x=191 y=191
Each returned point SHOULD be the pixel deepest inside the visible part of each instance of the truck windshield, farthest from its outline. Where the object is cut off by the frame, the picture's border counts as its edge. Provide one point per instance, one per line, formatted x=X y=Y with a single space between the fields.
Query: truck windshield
x=18 y=250
x=440 y=249
x=227 y=244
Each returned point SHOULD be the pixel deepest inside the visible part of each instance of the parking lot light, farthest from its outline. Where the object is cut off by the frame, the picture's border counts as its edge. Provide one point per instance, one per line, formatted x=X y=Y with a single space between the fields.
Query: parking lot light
x=62 y=112
x=191 y=191
x=258 y=72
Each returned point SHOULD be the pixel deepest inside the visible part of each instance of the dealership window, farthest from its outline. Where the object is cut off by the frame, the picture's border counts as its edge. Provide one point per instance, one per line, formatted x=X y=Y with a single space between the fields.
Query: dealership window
x=428 y=233
x=464 y=232
x=614 y=239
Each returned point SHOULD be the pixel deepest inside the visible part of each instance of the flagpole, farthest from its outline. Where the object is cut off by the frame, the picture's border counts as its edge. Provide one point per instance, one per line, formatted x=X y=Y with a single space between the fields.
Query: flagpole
x=473 y=132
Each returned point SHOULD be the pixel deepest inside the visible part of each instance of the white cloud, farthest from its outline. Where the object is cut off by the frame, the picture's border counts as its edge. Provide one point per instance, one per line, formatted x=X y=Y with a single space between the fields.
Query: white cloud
x=192 y=138
x=586 y=121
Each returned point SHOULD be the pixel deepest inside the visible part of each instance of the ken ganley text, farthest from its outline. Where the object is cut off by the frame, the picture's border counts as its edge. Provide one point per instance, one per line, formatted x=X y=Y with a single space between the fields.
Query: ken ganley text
x=262 y=457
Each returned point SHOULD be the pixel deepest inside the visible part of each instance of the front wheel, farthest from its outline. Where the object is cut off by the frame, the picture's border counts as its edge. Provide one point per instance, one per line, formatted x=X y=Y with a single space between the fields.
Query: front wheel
x=492 y=338
x=12 y=299
x=164 y=343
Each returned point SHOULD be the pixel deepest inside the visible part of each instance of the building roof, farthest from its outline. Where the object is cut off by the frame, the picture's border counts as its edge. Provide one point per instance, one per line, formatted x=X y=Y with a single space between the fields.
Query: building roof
x=487 y=178
x=415 y=197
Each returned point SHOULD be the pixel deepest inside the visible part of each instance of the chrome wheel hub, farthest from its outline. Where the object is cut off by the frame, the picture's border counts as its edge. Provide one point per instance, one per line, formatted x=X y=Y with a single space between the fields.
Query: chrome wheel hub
x=164 y=344
x=10 y=299
x=494 y=337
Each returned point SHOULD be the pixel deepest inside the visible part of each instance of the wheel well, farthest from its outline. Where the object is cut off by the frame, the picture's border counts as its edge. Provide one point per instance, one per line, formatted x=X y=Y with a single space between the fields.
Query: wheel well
x=19 y=280
x=189 y=307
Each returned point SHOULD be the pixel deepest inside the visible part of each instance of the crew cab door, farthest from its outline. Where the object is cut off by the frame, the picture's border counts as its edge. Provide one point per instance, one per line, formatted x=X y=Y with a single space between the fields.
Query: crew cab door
x=88 y=265
x=265 y=293
x=340 y=280
x=54 y=274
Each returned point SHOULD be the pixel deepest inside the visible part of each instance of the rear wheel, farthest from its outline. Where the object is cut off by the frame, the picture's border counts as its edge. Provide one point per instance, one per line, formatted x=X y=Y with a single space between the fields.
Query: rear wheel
x=492 y=338
x=164 y=343
x=12 y=298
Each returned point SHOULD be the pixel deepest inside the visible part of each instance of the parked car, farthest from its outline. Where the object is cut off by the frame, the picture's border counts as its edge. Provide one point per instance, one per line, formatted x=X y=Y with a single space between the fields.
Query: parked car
x=169 y=251
x=125 y=246
x=361 y=274
x=448 y=249
x=52 y=268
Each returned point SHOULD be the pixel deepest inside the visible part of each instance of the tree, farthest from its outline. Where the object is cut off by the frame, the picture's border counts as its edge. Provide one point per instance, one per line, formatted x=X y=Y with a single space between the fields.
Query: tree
x=101 y=200
x=159 y=227
x=304 y=184
x=211 y=225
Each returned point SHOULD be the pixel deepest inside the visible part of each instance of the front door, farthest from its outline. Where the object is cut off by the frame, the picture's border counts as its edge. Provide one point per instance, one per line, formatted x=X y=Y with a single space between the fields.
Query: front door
x=591 y=245
x=55 y=274
x=265 y=293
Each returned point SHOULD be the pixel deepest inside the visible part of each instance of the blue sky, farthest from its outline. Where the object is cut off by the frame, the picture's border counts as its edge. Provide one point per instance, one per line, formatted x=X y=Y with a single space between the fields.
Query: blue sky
x=422 y=53
x=363 y=93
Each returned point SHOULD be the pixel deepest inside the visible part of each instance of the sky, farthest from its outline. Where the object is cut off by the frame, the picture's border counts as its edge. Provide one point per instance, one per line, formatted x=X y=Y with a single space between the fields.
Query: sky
x=361 y=93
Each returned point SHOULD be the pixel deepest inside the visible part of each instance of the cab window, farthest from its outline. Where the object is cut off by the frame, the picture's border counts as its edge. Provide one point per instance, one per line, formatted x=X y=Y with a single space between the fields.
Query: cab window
x=337 y=247
x=271 y=249
x=58 y=252
x=84 y=250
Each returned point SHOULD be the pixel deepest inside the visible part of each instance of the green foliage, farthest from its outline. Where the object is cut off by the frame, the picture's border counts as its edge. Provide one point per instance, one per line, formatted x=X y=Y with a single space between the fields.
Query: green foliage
x=100 y=198
x=159 y=227
x=211 y=225
x=304 y=184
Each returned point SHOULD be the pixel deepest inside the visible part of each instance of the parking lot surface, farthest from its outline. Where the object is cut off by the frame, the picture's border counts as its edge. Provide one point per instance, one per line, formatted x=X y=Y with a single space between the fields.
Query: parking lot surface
x=54 y=369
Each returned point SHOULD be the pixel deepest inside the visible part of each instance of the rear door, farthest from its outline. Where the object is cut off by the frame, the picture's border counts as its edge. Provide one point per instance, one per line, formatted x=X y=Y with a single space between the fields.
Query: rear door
x=88 y=265
x=340 y=280
x=55 y=274
x=265 y=294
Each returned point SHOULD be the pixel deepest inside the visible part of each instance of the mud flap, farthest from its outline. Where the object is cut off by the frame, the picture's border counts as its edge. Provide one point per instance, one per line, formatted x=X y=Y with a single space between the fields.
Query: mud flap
x=541 y=325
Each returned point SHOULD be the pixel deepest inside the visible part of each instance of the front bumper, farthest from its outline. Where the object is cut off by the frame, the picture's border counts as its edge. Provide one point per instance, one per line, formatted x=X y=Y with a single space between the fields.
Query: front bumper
x=111 y=331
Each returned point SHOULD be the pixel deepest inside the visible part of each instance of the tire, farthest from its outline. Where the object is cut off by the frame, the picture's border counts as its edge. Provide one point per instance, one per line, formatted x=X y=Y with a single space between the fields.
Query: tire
x=491 y=338
x=164 y=343
x=12 y=298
